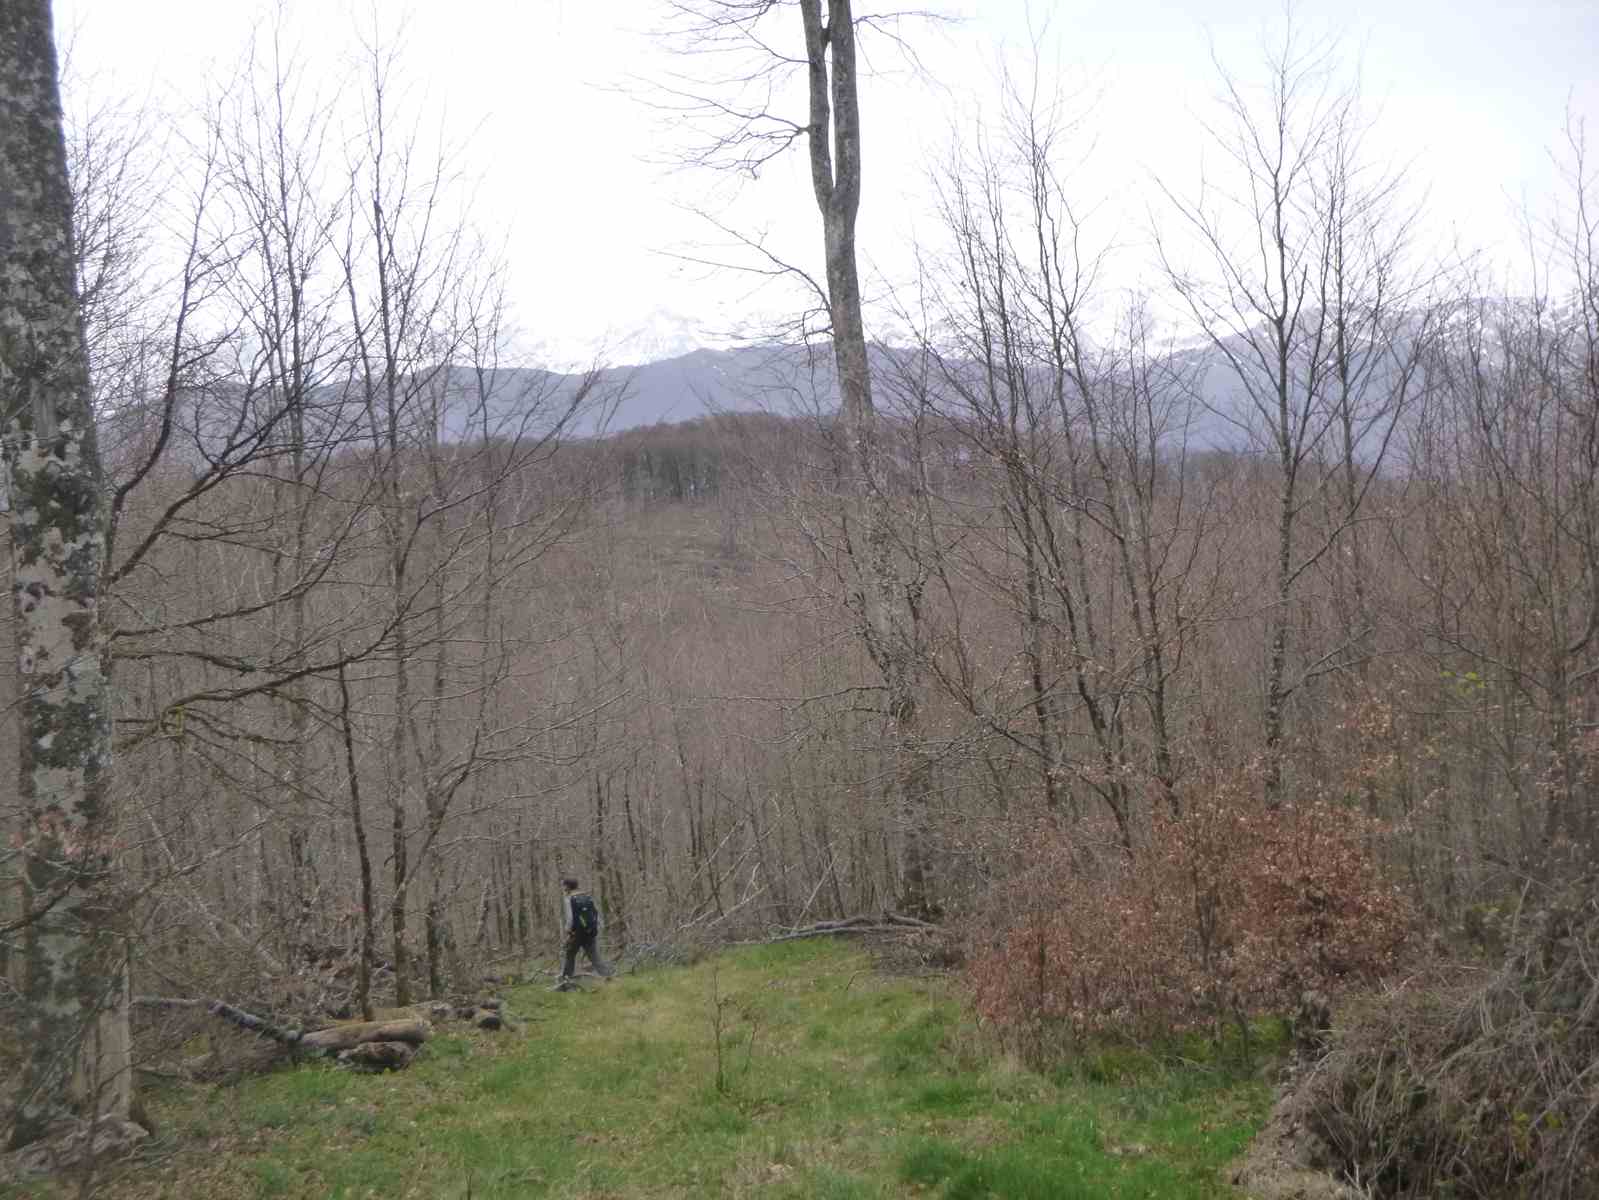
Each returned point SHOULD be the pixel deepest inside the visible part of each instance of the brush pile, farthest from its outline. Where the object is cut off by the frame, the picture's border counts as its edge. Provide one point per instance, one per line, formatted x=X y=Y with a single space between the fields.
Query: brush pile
x=1463 y=1085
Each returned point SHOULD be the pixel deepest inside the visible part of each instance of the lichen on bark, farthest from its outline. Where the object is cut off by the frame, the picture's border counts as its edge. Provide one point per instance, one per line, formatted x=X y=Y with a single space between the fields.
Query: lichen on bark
x=74 y=947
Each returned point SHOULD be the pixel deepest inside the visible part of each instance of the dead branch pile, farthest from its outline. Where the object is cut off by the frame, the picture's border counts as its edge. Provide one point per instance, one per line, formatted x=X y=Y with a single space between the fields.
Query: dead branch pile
x=879 y=923
x=1475 y=1087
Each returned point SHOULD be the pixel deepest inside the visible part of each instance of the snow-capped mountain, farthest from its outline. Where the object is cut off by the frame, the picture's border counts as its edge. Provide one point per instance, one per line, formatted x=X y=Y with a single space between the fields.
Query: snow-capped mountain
x=661 y=335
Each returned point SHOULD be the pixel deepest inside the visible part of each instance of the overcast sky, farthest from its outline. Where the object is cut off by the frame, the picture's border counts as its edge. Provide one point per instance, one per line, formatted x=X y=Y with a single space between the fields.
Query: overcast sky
x=549 y=100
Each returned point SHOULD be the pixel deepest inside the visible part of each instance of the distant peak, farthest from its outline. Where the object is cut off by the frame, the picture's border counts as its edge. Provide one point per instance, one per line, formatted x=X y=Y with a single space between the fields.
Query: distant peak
x=662 y=335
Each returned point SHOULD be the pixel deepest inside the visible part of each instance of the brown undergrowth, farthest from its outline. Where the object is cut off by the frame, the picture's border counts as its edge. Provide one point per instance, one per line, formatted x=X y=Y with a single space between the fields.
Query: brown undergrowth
x=1473 y=1083
x=1229 y=911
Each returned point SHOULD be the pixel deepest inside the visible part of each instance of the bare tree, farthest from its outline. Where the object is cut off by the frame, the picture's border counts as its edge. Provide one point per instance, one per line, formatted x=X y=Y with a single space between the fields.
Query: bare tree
x=1098 y=539
x=250 y=511
x=882 y=592
x=1305 y=297
x=1509 y=468
x=454 y=445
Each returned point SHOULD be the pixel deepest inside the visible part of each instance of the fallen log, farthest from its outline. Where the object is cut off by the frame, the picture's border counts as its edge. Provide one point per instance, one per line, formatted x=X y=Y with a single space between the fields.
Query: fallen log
x=321 y=1041
x=343 y=1037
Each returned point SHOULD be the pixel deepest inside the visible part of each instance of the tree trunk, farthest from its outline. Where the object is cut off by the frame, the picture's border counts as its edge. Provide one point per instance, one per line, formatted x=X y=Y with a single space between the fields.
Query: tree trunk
x=886 y=622
x=76 y=1014
x=363 y=979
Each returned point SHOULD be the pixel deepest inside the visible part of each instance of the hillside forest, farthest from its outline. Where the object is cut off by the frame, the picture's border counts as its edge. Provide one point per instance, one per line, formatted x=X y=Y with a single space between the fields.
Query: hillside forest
x=1175 y=652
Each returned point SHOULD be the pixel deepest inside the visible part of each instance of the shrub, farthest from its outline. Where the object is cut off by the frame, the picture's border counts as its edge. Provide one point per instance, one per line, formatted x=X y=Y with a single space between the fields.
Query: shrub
x=1230 y=911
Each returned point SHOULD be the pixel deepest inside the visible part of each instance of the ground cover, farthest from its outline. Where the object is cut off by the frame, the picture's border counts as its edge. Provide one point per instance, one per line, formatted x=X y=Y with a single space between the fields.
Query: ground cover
x=833 y=1080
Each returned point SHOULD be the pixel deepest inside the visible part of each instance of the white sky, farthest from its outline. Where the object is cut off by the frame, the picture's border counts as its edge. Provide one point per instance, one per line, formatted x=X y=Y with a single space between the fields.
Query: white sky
x=544 y=95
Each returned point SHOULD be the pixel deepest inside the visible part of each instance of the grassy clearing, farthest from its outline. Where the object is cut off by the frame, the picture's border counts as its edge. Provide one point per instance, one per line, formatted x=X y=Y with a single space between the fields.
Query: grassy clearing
x=837 y=1083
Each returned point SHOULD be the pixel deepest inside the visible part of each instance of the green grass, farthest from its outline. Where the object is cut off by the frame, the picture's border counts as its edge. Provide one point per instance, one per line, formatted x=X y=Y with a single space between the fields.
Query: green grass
x=855 y=1085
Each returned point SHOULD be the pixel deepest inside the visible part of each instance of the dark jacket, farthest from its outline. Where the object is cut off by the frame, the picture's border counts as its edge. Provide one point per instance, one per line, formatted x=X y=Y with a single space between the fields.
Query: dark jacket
x=566 y=914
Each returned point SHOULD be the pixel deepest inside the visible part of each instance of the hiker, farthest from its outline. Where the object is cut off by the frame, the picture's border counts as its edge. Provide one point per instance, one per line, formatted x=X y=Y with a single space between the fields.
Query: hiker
x=580 y=922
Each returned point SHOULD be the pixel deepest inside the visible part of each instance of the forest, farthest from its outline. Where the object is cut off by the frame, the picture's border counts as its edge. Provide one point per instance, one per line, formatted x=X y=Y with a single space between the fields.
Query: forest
x=1219 y=651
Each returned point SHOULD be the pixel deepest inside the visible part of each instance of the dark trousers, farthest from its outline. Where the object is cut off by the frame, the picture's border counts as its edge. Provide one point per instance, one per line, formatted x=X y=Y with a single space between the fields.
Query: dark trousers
x=589 y=947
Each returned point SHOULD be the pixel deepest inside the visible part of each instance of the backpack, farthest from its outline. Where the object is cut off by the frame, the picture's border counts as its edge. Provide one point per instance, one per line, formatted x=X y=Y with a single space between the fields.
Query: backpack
x=585 y=916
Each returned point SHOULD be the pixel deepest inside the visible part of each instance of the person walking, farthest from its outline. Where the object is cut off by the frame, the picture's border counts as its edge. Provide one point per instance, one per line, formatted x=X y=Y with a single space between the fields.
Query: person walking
x=581 y=924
